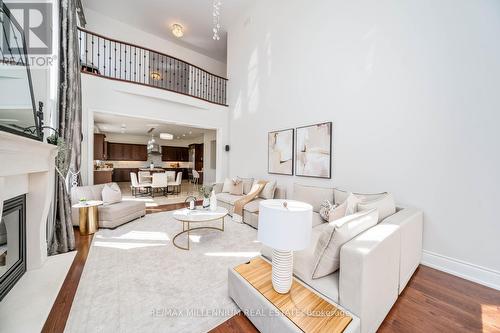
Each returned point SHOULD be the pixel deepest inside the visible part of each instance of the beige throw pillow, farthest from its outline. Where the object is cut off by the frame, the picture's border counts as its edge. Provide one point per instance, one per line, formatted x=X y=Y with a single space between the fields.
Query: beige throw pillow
x=268 y=190
x=237 y=188
x=385 y=205
x=334 y=235
x=111 y=194
x=247 y=184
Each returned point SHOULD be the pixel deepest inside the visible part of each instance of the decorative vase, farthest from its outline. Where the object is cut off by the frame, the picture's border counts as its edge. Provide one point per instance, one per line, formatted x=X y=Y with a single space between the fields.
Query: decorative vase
x=206 y=202
x=213 y=202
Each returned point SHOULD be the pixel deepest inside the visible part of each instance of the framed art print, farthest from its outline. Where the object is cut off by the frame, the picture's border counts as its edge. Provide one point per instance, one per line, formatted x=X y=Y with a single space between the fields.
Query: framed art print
x=314 y=151
x=280 y=152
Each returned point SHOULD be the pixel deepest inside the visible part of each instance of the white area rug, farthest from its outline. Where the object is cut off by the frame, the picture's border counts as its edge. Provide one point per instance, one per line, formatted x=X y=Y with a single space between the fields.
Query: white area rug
x=135 y=280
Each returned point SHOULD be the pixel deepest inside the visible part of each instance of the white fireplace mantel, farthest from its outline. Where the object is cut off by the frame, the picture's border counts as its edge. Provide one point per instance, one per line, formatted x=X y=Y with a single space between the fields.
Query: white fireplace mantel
x=27 y=167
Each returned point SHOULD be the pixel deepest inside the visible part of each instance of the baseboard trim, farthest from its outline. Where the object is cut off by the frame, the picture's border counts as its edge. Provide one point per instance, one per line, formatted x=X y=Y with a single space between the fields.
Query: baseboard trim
x=468 y=271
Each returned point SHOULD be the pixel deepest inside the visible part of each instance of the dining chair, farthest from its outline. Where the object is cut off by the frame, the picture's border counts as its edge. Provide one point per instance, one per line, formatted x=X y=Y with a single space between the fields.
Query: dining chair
x=135 y=185
x=144 y=177
x=196 y=178
x=160 y=182
x=178 y=182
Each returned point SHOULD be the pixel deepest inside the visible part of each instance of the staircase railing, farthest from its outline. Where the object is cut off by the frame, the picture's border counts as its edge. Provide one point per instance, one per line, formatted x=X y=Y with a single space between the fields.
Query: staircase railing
x=117 y=60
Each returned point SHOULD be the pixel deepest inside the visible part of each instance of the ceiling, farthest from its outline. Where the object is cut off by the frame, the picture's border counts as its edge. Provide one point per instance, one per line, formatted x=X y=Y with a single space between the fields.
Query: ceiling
x=157 y=16
x=135 y=126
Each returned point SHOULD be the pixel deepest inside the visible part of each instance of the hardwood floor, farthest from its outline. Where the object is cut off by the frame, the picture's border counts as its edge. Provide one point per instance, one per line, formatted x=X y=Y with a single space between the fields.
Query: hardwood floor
x=433 y=301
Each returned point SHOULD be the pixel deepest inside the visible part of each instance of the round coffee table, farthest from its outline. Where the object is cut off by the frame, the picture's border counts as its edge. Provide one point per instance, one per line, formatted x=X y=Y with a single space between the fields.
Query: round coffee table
x=198 y=215
x=89 y=217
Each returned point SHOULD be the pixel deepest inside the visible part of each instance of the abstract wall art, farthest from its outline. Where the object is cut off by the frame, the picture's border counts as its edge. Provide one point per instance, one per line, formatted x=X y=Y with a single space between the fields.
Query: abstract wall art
x=314 y=150
x=280 y=152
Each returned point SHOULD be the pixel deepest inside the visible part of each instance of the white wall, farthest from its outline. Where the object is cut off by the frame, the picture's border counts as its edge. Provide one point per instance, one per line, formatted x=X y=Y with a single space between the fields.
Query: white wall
x=109 y=27
x=412 y=90
x=209 y=173
x=131 y=100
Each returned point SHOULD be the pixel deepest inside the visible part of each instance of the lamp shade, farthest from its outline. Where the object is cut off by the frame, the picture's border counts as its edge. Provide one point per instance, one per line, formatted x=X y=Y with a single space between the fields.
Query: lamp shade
x=285 y=227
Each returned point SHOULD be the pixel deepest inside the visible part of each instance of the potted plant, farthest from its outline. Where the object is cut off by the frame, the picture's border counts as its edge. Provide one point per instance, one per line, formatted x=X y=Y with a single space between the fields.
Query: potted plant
x=205 y=192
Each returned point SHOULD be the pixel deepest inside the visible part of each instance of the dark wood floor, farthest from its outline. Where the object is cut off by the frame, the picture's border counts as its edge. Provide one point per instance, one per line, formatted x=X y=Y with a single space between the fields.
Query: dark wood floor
x=433 y=301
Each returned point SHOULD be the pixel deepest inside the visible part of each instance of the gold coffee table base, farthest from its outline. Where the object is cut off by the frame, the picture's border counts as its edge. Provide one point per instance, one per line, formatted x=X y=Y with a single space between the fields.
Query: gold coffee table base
x=184 y=230
x=89 y=220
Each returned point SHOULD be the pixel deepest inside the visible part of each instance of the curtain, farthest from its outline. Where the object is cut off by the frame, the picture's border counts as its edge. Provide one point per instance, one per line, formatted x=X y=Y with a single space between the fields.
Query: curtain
x=70 y=127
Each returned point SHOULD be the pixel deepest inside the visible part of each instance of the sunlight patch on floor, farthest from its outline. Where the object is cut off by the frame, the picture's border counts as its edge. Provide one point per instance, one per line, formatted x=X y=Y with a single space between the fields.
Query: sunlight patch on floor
x=139 y=235
x=126 y=245
x=232 y=254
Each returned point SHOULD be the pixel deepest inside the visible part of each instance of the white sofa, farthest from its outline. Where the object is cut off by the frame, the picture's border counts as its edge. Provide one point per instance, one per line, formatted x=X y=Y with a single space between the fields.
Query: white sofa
x=250 y=210
x=110 y=215
x=375 y=266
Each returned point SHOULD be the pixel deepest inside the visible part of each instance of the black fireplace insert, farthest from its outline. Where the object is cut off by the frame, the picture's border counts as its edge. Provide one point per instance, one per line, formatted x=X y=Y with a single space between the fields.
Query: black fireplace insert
x=12 y=243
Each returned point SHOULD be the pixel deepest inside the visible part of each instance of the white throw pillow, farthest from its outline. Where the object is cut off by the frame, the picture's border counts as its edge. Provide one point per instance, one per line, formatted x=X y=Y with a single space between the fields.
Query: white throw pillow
x=385 y=205
x=351 y=204
x=334 y=235
x=111 y=194
x=228 y=185
x=268 y=190
x=340 y=195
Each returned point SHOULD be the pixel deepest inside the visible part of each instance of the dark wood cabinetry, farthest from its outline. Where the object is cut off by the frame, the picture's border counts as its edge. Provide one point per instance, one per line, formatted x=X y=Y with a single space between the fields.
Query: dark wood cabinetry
x=127 y=152
x=123 y=174
x=198 y=155
x=100 y=147
x=174 y=154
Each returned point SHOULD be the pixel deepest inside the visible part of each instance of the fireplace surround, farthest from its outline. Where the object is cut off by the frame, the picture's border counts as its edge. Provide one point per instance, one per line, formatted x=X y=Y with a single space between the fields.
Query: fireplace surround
x=12 y=243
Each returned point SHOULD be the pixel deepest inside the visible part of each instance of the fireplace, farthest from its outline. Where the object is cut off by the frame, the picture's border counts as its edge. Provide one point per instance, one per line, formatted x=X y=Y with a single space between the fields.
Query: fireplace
x=12 y=243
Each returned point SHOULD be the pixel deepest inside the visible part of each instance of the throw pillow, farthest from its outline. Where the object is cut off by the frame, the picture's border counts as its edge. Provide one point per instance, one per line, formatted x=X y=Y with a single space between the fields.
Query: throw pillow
x=335 y=234
x=228 y=184
x=268 y=190
x=111 y=194
x=351 y=204
x=330 y=212
x=247 y=184
x=237 y=189
x=385 y=205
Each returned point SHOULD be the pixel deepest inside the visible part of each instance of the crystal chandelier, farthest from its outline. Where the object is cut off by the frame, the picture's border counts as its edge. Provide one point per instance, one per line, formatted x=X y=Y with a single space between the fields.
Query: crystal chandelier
x=216 y=15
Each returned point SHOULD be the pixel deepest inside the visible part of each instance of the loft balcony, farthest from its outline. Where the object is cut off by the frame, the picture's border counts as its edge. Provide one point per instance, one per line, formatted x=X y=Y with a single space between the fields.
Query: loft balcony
x=117 y=60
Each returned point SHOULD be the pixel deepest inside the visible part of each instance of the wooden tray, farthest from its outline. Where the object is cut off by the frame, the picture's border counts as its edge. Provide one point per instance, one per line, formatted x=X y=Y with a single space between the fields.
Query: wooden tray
x=303 y=307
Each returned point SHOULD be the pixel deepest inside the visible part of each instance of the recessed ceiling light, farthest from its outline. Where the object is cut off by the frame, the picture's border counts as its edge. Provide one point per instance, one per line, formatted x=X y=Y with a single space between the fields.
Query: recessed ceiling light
x=183 y=134
x=177 y=30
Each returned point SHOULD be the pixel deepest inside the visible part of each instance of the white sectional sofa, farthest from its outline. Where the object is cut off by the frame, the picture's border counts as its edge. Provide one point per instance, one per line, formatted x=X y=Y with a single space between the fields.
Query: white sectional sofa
x=251 y=209
x=375 y=266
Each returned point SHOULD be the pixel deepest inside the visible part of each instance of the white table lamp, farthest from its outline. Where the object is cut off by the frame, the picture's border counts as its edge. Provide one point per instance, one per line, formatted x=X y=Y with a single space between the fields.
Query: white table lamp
x=284 y=225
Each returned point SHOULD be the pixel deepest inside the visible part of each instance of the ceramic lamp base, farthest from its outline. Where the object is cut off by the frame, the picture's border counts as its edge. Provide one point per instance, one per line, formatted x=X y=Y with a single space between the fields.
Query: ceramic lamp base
x=282 y=269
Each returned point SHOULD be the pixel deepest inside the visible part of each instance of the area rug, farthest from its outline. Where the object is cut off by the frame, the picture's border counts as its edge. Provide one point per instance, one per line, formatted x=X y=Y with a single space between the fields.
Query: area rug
x=135 y=280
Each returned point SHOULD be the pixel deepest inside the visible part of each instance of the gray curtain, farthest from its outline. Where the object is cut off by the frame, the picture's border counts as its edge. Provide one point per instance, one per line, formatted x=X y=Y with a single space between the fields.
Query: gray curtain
x=70 y=127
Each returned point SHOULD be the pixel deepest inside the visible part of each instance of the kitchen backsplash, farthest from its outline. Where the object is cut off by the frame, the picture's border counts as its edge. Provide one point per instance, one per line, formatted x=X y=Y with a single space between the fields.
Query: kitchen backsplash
x=142 y=164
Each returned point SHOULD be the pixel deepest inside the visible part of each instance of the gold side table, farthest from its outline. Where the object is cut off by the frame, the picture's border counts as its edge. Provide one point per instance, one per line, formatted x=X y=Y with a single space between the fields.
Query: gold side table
x=89 y=216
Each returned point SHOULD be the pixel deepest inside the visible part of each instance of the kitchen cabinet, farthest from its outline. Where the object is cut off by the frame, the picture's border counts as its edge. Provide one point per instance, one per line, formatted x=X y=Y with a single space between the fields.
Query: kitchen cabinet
x=103 y=176
x=127 y=152
x=123 y=174
x=198 y=155
x=100 y=147
x=174 y=154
